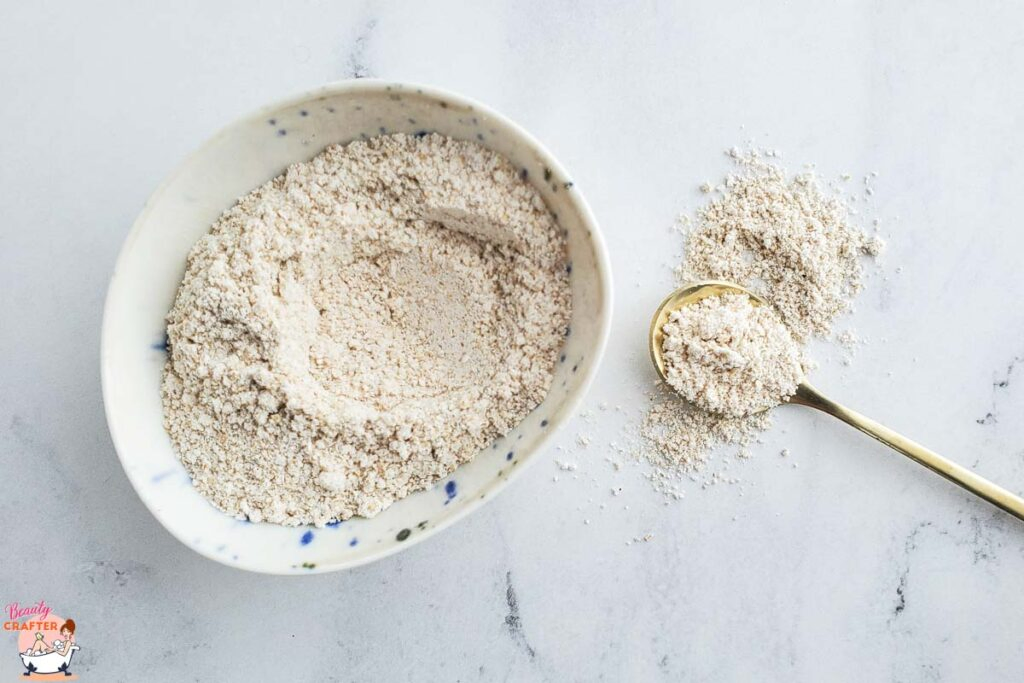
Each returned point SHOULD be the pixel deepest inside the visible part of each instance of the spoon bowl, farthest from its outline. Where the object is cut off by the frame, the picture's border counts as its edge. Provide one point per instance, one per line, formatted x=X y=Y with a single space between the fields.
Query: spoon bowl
x=688 y=294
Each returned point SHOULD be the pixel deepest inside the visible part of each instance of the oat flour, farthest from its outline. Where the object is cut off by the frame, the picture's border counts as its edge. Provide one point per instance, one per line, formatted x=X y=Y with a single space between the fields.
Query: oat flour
x=353 y=330
x=787 y=239
x=729 y=357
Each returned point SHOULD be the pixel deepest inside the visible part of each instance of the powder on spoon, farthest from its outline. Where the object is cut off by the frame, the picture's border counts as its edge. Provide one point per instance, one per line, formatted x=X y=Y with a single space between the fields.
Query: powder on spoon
x=730 y=357
x=356 y=328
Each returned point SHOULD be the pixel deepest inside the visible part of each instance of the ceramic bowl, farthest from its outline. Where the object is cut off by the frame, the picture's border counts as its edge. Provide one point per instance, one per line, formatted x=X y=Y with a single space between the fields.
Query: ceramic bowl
x=150 y=267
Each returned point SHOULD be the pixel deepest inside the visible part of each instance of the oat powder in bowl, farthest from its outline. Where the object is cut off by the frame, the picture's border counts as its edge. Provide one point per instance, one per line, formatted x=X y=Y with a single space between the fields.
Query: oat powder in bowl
x=356 y=328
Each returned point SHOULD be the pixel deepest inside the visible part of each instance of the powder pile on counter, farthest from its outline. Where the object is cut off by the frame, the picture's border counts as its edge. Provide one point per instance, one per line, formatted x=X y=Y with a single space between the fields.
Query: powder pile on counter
x=784 y=238
x=353 y=330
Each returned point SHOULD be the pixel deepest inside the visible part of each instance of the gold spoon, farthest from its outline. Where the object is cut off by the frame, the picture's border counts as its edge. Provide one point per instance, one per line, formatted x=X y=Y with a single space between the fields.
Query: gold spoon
x=809 y=396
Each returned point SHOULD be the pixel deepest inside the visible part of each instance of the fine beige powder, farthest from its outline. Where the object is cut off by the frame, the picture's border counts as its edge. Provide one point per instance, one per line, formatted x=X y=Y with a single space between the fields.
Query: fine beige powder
x=730 y=357
x=787 y=239
x=784 y=238
x=353 y=330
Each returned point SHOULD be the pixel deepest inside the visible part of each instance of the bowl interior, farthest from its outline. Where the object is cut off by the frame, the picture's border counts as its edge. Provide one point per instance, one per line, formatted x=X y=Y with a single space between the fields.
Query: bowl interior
x=239 y=158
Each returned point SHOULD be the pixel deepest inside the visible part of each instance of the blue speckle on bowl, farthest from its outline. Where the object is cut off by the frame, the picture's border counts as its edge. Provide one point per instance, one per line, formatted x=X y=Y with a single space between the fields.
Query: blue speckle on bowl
x=307 y=538
x=450 y=491
x=335 y=524
x=509 y=455
x=543 y=423
x=353 y=543
x=157 y=478
x=162 y=345
x=282 y=132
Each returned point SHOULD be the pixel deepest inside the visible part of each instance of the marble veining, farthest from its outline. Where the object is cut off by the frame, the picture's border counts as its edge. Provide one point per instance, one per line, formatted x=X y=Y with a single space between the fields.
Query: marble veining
x=1001 y=381
x=513 y=620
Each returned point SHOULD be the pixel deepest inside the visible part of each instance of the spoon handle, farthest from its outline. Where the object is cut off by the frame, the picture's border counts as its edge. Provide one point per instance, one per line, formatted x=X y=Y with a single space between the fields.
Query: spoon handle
x=979 y=486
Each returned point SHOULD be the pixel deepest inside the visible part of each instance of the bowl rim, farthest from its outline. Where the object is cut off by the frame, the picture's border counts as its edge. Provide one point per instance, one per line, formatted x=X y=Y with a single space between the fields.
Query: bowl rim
x=342 y=87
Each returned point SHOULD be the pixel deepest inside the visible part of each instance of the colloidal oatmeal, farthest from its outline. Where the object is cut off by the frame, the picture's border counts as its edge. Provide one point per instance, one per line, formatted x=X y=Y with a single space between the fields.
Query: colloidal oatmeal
x=356 y=328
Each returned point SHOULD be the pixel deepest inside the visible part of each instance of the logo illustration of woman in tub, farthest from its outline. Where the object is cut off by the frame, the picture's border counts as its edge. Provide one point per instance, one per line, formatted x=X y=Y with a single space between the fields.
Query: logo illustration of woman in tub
x=55 y=657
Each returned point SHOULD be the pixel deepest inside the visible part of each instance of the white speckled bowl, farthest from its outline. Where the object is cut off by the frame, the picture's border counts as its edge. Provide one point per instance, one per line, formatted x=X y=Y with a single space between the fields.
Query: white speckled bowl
x=241 y=157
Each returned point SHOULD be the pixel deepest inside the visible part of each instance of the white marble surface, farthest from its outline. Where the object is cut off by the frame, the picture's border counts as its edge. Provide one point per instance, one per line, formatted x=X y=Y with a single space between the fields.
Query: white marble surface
x=857 y=565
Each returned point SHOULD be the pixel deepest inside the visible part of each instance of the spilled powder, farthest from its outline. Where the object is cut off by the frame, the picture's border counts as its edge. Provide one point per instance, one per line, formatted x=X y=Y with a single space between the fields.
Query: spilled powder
x=786 y=238
x=356 y=328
